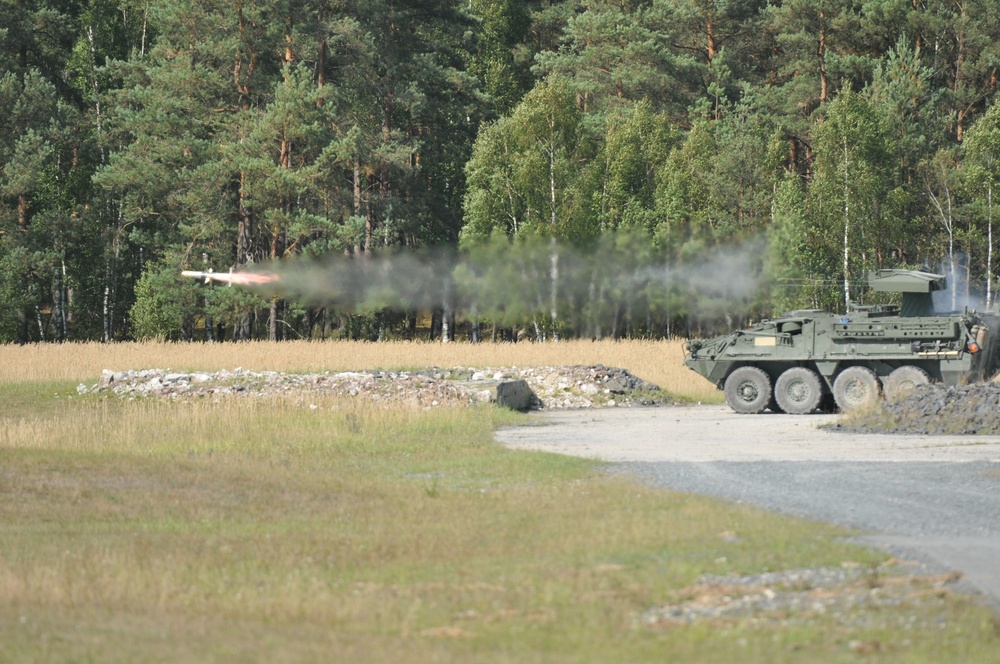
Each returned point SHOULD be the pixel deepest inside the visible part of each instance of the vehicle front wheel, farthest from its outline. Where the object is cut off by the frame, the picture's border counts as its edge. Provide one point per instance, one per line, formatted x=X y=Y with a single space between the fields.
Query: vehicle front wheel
x=798 y=391
x=748 y=390
x=856 y=387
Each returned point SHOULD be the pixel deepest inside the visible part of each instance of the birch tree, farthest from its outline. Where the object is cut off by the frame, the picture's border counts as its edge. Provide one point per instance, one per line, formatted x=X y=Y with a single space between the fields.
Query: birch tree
x=940 y=178
x=527 y=173
x=848 y=193
x=982 y=151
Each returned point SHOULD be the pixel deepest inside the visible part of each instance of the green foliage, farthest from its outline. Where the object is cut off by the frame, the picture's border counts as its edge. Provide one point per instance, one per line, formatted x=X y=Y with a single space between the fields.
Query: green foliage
x=791 y=283
x=164 y=305
x=982 y=148
x=636 y=146
x=849 y=192
x=544 y=142
x=503 y=25
x=139 y=132
x=982 y=171
x=613 y=55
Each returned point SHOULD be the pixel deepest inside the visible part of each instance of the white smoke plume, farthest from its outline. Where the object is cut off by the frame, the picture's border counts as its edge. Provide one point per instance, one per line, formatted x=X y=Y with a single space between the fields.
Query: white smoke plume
x=514 y=281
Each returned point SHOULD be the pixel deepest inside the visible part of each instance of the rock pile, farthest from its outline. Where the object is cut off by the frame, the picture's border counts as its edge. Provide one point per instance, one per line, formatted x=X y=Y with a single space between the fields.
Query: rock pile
x=784 y=597
x=935 y=409
x=555 y=387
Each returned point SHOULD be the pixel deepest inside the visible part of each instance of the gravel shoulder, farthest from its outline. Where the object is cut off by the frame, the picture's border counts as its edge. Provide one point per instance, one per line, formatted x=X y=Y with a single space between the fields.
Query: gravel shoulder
x=931 y=499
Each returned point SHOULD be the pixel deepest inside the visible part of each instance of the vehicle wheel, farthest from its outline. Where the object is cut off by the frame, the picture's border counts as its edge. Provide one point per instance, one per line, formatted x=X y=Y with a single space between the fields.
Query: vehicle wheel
x=798 y=391
x=748 y=390
x=902 y=381
x=855 y=387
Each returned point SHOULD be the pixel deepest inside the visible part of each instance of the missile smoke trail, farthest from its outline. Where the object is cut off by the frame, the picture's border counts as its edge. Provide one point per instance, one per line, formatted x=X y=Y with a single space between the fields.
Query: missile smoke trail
x=510 y=282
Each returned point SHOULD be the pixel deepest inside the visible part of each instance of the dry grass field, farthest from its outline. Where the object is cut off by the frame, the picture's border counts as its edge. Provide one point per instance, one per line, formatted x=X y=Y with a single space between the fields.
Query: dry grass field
x=277 y=530
x=659 y=362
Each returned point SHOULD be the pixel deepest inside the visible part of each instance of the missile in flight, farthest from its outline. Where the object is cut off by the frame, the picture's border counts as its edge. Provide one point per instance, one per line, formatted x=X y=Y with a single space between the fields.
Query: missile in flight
x=238 y=278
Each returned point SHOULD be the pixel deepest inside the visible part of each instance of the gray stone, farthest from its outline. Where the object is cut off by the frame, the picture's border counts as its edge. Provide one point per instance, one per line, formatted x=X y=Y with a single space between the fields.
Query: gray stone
x=514 y=394
x=616 y=384
x=107 y=377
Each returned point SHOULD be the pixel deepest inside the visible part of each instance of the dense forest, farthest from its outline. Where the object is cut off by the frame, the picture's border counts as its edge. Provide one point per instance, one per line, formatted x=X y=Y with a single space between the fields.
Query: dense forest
x=518 y=167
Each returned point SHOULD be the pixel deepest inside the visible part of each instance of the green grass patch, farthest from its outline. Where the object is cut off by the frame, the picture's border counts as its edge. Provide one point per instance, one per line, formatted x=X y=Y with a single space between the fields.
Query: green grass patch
x=270 y=530
x=35 y=399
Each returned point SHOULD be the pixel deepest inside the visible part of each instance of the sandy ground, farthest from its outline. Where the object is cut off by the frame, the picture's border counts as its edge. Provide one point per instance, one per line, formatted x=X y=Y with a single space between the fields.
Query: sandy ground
x=931 y=498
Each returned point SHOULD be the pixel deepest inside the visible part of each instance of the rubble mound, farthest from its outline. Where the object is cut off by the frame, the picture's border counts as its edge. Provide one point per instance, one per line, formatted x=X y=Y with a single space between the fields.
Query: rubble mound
x=935 y=409
x=554 y=387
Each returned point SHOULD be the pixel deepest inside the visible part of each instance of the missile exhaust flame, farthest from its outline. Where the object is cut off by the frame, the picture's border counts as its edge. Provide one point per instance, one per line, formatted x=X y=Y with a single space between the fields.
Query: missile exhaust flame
x=238 y=278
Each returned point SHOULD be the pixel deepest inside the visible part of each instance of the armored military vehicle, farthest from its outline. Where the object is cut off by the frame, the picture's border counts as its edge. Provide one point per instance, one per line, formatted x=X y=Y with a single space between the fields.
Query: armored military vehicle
x=805 y=360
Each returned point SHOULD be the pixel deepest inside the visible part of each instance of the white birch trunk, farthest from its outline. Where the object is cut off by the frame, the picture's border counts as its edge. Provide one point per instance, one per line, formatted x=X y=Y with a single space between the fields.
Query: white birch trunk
x=446 y=331
x=951 y=268
x=989 y=246
x=445 y=326
x=552 y=182
x=945 y=215
x=847 y=226
x=106 y=313
x=554 y=256
x=554 y=295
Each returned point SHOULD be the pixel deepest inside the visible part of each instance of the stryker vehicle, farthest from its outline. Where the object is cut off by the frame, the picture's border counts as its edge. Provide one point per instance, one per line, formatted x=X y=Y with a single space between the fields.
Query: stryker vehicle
x=804 y=359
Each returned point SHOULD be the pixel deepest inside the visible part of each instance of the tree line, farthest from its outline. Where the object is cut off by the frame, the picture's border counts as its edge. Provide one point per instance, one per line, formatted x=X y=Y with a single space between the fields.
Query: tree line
x=565 y=140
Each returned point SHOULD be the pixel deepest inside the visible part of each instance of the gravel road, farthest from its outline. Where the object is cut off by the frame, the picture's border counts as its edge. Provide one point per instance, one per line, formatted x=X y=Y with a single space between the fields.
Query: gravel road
x=934 y=499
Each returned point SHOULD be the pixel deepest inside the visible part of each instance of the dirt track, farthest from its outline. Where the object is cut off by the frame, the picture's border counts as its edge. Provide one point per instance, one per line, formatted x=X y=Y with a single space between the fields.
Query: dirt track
x=932 y=498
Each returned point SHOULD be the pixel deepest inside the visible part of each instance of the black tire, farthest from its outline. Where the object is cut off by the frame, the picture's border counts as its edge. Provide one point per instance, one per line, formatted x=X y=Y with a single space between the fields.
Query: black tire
x=855 y=388
x=902 y=380
x=798 y=391
x=748 y=390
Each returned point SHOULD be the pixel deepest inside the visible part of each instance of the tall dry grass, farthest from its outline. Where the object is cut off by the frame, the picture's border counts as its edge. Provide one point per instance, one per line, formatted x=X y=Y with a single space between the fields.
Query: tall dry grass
x=659 y=362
